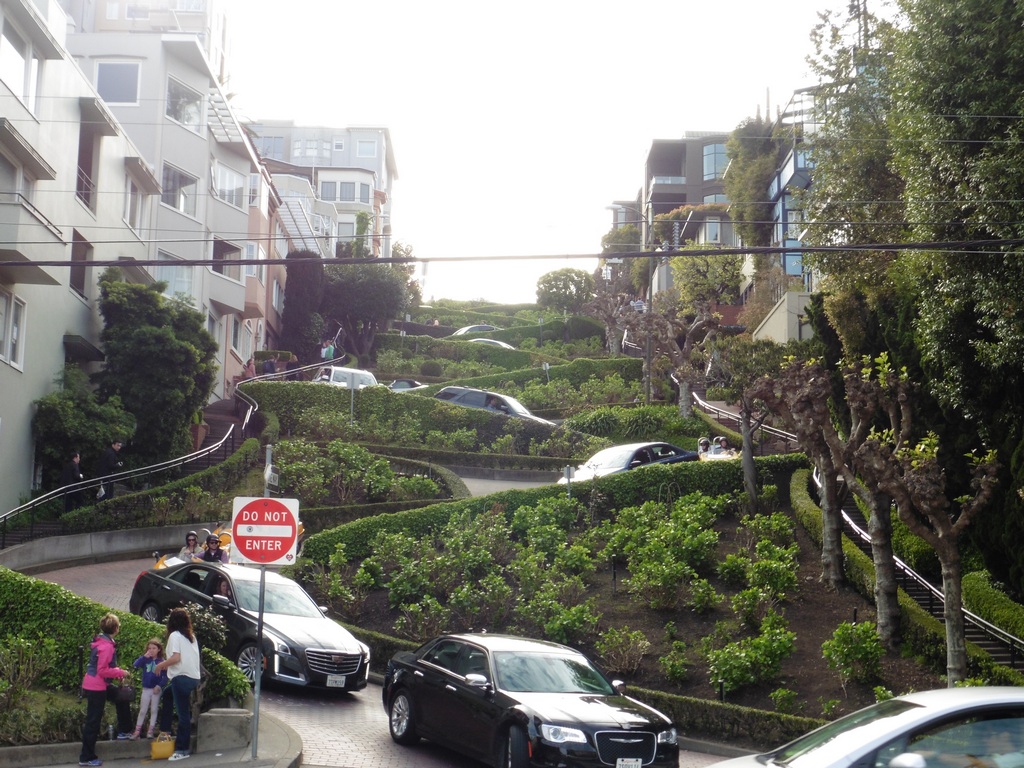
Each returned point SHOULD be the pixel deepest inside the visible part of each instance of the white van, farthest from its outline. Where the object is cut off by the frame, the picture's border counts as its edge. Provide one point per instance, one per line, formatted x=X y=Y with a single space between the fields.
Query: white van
x=350 y=378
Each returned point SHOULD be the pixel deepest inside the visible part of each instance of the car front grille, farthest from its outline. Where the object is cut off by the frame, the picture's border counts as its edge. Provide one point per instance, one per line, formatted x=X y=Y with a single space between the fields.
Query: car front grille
x=332 y=662
x=611 y=745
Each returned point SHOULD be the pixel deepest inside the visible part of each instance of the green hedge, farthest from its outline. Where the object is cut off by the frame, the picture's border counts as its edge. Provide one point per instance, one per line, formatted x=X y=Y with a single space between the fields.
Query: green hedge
x=612 y=492
x=576 y=372
x=924 y=636
x=983 y=598
x=456 y=459
x=36 y=609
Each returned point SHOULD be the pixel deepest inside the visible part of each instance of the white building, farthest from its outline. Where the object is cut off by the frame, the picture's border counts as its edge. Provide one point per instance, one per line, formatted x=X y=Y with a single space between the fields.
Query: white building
x=73 y=188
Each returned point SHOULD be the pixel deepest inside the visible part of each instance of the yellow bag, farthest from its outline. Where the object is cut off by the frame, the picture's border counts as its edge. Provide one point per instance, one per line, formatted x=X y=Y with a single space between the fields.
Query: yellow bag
x=161 y=747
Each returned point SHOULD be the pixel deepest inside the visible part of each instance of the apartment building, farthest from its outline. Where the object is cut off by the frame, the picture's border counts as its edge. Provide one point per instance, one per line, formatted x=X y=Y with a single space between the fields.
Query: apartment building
x=159 y=66
x=688 y=171
x=74 y=189
x=349 y=170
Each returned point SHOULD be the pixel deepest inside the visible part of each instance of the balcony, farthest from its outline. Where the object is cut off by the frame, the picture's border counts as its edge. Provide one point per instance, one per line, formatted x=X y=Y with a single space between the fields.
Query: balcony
x=33 y=238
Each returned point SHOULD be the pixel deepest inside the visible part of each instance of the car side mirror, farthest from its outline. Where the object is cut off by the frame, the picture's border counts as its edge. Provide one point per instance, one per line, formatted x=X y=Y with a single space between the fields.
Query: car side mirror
x=476 y=680
x=619 y=686
x=908 y=760
x=223 y=601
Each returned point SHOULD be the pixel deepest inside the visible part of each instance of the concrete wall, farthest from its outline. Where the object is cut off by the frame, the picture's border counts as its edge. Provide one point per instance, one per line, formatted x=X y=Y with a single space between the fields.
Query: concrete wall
x=56 y=552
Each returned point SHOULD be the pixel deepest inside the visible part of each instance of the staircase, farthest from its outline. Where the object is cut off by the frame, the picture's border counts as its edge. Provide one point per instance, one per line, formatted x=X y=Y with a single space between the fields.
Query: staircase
x=221 y=417
x=1003 y=648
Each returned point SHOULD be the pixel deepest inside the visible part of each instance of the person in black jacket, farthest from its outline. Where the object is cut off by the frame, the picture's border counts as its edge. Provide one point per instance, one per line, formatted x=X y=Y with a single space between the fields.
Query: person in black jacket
x=110 y=464
x=71 y=474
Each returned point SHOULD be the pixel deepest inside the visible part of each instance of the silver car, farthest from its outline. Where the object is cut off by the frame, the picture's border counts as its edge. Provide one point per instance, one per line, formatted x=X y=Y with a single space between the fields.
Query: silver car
x=977 y=727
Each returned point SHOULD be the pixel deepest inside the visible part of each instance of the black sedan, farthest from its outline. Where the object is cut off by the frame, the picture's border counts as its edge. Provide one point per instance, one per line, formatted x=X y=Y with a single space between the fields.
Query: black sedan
x=301 y=645
x=519 y=703
x=621 y=458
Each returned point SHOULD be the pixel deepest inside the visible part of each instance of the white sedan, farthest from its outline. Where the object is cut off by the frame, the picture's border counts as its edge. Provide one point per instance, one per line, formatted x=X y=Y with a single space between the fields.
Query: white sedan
x=621 y=458
x=963 y=727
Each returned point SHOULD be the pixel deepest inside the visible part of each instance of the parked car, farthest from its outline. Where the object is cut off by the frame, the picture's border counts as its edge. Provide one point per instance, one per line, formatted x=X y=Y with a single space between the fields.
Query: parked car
x=981 y=726
x=493 y=343
x=404 y=385
x=620 y=458
x=351 y=378
x=475 y=329
x=479 y=398
x=301 y=645
x=514 y=702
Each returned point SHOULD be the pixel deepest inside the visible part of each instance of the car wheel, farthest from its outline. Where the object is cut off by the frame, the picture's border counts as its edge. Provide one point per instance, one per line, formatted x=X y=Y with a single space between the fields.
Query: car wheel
x=401 y=721
x=517 y=749
x=248 y=660
x=151 y=612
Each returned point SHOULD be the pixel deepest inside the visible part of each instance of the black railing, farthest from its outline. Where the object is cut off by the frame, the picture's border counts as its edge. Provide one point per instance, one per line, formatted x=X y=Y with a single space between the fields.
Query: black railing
x=36 y=529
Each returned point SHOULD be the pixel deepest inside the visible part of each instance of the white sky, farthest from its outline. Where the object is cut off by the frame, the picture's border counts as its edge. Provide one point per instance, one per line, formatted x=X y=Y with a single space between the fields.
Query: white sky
x=514 y=125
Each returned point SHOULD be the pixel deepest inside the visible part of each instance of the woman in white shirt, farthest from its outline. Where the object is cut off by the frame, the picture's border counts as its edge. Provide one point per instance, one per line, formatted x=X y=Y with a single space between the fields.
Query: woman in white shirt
x=182 y=665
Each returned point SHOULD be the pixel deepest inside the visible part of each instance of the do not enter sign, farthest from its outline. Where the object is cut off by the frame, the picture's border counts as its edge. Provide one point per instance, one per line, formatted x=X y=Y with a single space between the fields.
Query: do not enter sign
x=264 y=531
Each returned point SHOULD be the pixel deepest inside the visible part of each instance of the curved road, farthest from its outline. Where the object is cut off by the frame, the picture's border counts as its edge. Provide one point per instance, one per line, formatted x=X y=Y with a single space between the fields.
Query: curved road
x=338 y=730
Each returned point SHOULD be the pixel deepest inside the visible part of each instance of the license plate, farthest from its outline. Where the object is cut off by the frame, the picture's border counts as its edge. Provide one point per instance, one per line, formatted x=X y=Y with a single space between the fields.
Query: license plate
x=628 y=762
x=338 y=681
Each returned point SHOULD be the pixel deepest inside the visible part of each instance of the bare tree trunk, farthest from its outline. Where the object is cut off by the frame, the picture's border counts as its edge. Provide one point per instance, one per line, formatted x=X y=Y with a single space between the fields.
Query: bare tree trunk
x=747 y=459
x=953 y=614
x=831 y=527
x=886 y=602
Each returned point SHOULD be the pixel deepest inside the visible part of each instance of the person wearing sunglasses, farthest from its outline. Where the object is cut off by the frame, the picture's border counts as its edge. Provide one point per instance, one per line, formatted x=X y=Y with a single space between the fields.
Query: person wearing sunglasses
x=214 y=554
x=191 y=550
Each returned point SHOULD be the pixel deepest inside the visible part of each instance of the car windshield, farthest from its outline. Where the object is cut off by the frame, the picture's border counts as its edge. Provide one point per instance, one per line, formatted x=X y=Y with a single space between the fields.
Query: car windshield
x=548 y=673
x=285 y=599
x=516 y=406
x=610 y=457
x=825 y=734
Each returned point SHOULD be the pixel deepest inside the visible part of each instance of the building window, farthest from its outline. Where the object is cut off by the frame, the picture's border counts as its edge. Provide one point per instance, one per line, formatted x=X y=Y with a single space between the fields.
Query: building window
x=715 y=199
x=347 y=191
x=364 y=193
x=712 y=230
x=255 y=254
x=12 y=328
x=178 y=278
x=366 y=148
x=346 y=230
x=328 y=190
x=715 y=161
x=339 y=145
x=270 y=146
x=184 y=105
x=277 y=299
x=229 y=185
x=135 y=207
x=117 y=82
x=19 y=65
x=81 y=254
x=179 y=190
x=236 y=334
x=137 y=11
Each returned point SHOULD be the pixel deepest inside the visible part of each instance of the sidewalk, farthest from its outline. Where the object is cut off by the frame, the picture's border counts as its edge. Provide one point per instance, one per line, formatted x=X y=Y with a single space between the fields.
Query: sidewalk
x=278 y=746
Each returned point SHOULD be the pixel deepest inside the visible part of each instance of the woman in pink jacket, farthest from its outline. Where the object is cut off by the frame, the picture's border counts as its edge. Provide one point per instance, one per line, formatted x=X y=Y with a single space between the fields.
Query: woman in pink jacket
x=101 y=670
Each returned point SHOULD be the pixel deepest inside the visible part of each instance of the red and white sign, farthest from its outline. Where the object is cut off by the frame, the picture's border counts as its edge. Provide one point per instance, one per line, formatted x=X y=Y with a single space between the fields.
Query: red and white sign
x=264 y=531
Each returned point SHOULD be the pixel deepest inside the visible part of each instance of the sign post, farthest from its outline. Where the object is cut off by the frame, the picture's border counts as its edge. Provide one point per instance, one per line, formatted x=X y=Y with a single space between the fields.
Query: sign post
x=264 y=531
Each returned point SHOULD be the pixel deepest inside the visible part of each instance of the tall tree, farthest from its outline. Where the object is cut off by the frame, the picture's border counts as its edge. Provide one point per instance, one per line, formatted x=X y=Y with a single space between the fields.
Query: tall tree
x=754 y=154
x=302 y=326
x=159 y=360
x=956 y=114
x=363 y=299
x=565 y=290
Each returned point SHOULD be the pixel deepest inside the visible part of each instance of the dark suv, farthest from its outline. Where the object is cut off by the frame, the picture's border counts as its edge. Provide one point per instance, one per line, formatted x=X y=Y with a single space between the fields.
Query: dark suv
x=492 y=401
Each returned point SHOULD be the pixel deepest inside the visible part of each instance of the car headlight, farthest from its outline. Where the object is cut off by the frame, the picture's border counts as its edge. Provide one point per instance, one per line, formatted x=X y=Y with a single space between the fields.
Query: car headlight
x=668 y=737
x=279 y=645
x=561 y=735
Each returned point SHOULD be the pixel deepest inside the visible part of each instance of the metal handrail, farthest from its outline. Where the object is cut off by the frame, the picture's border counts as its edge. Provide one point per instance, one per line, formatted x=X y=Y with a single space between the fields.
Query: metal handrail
x=6 y=517
x=1015 y=644
x=719 y=414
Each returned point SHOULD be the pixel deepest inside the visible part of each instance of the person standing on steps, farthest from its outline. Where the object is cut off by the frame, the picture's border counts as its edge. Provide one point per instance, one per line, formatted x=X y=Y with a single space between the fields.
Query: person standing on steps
x=110 y=463
x=71 y=474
